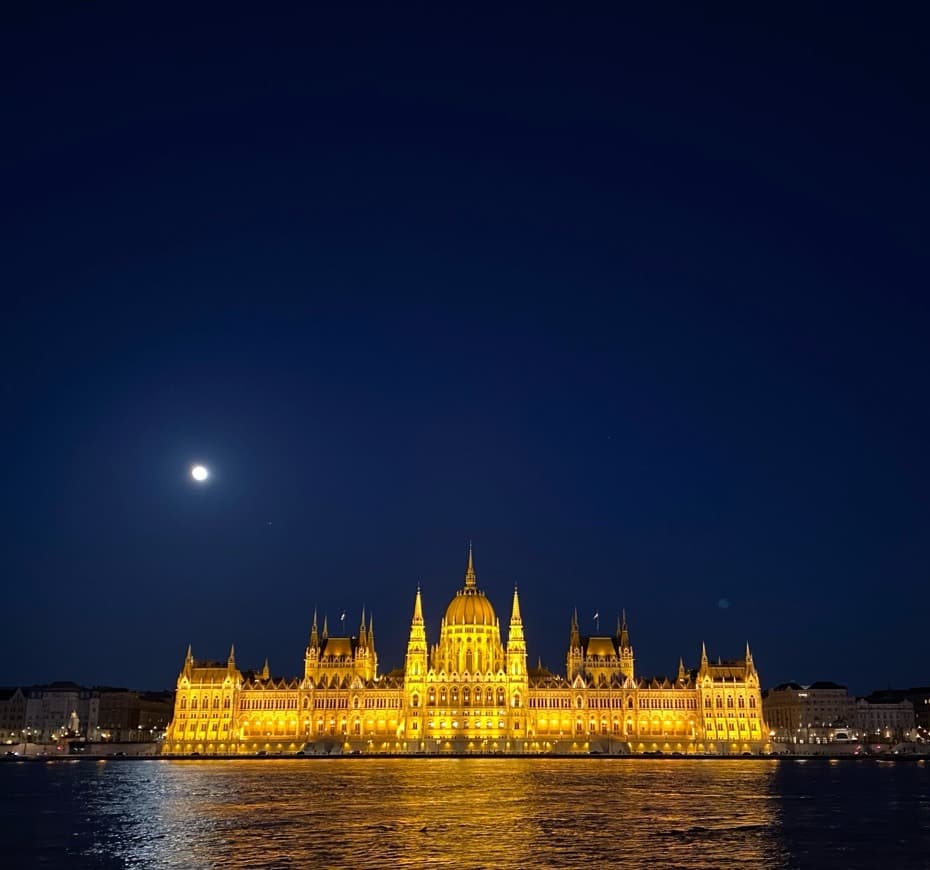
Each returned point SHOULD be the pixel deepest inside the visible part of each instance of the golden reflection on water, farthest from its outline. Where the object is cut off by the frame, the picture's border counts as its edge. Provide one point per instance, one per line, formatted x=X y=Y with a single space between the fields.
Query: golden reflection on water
x=454 y=813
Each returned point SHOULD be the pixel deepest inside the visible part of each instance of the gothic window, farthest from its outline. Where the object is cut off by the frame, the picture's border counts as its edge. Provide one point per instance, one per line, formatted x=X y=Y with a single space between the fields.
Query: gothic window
x=432 y=697
x=741 y=701
x=466 y=697
x=184 y=704
x=455 y=695
x=469 y=661
x=225 y=703
x=729 y=702
x=490 y=696
x=415 y=701
x=516 y=700
x=719 y=703
x=193 y=703
x=216 y=703
x=752 y=702
x=442 y=696
x=500 y=697
x=629 y=704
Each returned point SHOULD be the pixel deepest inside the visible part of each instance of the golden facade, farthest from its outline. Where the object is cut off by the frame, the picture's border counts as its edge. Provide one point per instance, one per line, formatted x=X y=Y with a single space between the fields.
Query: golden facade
x=468 y=693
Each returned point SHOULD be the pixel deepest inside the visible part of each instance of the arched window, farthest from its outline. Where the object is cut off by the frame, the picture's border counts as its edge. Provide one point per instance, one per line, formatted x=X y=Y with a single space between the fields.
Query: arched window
x=415 y=701
x=469 y=661
x=516 y=700
x=707 y=703
x=193 y=703
x=442 y=695
x=719 y=703
x=490 y=695
x=752 y=702
x=500 y=697
x=216 y=703
x=629 y=704
x=225 y=703
x=431 y=700
x=741 y=702
x=183 y=703
x=466 y=697
x=455 y=695
x=729 y=702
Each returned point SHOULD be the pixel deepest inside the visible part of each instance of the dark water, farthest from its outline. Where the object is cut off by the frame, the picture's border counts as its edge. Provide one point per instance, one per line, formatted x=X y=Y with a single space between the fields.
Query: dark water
x=466 y=813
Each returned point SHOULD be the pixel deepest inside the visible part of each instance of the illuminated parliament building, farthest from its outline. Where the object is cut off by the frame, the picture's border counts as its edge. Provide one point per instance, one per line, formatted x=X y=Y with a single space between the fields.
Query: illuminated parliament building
x=469 y=693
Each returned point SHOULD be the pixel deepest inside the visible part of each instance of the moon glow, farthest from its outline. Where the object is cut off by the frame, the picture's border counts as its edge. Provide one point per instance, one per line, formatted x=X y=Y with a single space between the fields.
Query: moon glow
x=199 y=473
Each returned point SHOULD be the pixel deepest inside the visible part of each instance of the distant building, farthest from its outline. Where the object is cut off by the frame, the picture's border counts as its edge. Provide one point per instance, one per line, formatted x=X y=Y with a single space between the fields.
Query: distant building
x=60 y=709
x=126 y=715
x=885 y=716
x=470 y=692
x=12 y=714
x=822 y=712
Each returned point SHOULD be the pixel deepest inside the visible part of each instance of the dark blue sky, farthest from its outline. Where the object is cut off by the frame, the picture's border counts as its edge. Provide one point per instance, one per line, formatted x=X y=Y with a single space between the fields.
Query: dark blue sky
x=635 y=299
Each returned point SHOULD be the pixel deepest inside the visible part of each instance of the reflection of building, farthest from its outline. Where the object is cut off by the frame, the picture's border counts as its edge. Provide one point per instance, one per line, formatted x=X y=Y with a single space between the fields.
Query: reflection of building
x=819 y=713
x=470 y=692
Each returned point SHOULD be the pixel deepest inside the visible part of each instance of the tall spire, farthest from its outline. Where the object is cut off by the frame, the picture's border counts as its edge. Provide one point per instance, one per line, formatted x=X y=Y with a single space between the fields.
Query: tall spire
x=470 y=578
x=575 y=637
x=371 y=631
x=231 y=661
x=314 y=633
x=515 y=612
x=266 y=671
x=362 y=631
x=325 y=627
x=624 y=633
x=418 y=608
x=703 y=654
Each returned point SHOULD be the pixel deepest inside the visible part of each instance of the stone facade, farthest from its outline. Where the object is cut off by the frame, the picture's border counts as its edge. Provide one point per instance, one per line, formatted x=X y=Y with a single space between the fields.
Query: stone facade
x=469 y=693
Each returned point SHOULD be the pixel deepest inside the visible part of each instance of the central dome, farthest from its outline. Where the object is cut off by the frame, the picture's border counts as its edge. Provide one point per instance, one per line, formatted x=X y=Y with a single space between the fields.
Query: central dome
x=470 y=605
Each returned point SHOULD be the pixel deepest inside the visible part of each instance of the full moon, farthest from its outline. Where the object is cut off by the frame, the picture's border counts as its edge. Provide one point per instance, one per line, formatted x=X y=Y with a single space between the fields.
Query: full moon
x=199 y=473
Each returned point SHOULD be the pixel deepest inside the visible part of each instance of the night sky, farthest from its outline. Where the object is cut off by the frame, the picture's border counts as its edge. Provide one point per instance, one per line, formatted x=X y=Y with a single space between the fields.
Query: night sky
x=635 y=299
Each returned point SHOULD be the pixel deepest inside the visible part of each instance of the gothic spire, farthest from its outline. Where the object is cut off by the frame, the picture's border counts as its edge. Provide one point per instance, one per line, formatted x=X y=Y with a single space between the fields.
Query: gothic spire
x=515 y=612
x=624 y=633
x=470 y=577
x=418 y=608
